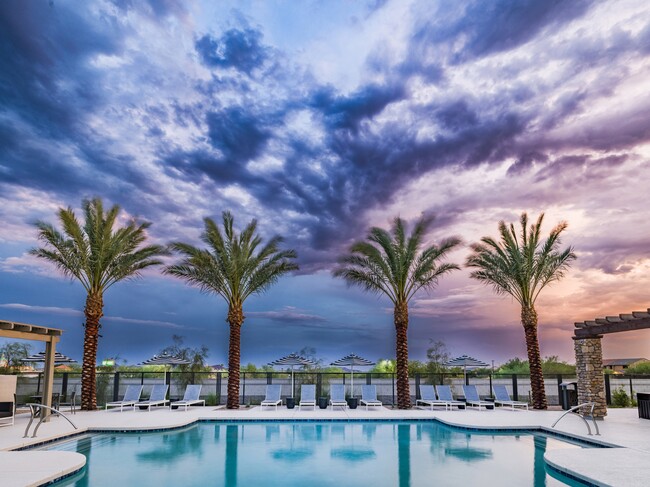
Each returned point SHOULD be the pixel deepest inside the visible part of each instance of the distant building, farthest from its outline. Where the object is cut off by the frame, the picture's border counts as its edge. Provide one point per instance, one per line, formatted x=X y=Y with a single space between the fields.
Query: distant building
x=218 y=368
x=618 y=365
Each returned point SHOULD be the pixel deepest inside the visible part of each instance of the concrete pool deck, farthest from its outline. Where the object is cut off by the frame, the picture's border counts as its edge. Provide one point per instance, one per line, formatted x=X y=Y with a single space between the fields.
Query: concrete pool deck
x=628 y=464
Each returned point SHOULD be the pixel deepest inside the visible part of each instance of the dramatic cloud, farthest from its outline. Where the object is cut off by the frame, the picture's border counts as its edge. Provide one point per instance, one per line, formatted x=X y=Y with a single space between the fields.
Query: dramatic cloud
x=475 y=111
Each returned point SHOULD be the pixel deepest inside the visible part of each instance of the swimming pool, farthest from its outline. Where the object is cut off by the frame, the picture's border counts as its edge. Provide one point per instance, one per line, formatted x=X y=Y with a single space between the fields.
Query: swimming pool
x=404 y=454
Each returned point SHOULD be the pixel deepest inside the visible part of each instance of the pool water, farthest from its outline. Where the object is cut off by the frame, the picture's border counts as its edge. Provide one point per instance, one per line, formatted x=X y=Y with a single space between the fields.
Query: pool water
x=407 y=454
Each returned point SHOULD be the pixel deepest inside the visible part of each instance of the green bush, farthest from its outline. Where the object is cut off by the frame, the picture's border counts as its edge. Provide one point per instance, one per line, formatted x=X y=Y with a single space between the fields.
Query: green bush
x=211 y=400
x=620 y=399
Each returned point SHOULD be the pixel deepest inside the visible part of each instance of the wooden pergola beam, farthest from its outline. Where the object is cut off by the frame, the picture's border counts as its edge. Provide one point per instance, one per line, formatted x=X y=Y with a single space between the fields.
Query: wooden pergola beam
x=608 y=327
x=24 y=331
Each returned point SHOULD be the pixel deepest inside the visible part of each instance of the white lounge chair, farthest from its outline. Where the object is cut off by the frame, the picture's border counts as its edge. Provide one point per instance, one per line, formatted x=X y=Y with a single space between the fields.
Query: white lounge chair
x=337 y=395
x=473 y=399
x=130 y=399
x=428 y=398
x=158 y=397
x=272 y=396
x=190 y=398
x=502 y=397
x=369 y=396
x=7 y=399
x=445 y=394
x=307 y=396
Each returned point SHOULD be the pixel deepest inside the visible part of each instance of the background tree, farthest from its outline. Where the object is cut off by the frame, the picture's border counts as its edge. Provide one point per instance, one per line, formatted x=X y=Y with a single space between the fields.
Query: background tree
x=234 y=266
x=641 y=368
x=99 y=256
x=522 y=266
x=437 y=356
x=196 y=356
x=550 y=365
x=12 y=355
x=393 y=264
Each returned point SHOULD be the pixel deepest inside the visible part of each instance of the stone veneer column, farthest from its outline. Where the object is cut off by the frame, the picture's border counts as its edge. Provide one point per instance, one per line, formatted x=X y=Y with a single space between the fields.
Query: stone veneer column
x=589 y=368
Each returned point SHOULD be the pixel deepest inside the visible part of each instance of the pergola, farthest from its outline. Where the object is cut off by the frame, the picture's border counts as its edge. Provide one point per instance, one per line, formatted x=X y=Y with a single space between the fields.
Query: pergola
x=589 y=353
x=50 y=336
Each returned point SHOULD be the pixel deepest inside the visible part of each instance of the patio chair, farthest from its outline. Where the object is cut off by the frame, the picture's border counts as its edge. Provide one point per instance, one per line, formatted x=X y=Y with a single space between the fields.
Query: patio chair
x=369 y=396
x=473 y=399
x=7 y=399
x=190 y=398
x=503 y=398
x=130 y=399
x=445 y=394
x=428 y=398
x=307 y=396
x=337 y=395
x=158 y=397
x=272 y=396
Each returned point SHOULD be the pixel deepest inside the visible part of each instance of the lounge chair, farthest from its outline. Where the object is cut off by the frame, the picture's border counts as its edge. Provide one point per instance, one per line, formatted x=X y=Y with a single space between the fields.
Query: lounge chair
x=72 y=402
x=473 y=399
x=272 y=396
x=7 y=399
x=503 y=398
x=445 y=394
x=369 y=396
x=307 y=396
x=337 y=395
x=130 y=399
x=158 y=397
x=428 y=398
x=190 y=398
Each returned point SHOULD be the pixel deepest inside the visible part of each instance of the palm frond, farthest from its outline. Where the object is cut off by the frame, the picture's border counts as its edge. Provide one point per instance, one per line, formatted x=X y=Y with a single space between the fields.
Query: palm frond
x=235 y=265
x=95 y=253
x=395 y=264
x=520 y=267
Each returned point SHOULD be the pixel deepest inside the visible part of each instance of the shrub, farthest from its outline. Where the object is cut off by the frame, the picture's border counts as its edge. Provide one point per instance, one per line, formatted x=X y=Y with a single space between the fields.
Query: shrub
x=211 y=400
x=620 y=399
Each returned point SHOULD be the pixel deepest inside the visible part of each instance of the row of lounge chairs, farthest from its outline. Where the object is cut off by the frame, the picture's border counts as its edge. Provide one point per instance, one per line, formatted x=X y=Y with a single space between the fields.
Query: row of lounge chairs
x=441 y=395
x=158 y=397
x=308 y=396
x=472 y=399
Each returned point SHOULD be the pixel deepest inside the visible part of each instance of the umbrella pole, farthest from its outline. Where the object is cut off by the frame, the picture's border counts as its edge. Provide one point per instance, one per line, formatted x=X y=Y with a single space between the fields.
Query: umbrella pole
x=352 y=381
x=292 y=382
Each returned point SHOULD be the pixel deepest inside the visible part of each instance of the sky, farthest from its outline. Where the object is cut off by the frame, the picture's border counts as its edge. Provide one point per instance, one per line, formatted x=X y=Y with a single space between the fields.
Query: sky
x=321 y=119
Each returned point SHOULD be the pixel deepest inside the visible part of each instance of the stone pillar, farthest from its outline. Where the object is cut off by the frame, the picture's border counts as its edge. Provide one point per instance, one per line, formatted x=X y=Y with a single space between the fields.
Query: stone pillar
x=589 y=368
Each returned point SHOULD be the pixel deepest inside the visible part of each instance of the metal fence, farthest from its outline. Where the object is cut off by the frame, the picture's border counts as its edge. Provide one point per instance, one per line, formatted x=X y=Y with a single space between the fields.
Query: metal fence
x=111 y=386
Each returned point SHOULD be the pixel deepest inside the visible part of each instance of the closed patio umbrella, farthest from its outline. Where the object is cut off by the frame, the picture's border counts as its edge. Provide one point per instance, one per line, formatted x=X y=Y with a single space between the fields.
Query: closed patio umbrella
x=465 y=362
x=165 y=359
x=292 y=360
x=59 y=358
x=352 y=361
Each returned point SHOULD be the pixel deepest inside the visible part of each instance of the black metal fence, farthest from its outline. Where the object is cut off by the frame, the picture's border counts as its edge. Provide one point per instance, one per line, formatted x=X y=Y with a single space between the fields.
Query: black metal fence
x=111 y=386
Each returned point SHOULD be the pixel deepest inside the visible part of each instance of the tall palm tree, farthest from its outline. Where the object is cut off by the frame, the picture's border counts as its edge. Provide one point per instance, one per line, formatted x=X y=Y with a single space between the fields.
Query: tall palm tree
x=233 y=267
x=98 y=256
x=390 y=263
x=521 y=267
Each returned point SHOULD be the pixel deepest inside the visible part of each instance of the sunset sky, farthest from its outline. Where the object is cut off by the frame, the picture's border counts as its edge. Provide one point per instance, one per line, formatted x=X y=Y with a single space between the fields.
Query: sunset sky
x=321 y=119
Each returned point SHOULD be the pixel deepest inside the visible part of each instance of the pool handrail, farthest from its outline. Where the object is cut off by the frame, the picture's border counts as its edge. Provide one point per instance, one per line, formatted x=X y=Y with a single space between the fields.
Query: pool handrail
x=582 y=416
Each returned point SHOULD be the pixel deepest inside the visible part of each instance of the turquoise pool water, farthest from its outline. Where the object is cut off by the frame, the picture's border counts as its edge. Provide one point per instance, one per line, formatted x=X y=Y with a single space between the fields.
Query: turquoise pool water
x=405 y=454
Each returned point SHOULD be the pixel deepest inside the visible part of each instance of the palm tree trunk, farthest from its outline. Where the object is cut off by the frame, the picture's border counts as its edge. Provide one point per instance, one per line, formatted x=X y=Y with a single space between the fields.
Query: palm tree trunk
x=529 y=320
x=94 y=312
x=236 y=320
x=401 y=317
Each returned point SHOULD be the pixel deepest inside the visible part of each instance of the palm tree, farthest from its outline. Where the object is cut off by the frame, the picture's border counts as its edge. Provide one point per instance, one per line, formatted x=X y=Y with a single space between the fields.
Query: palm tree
x=522 y=267
x=233 y=267
x=98 y=256
x=390 y=263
